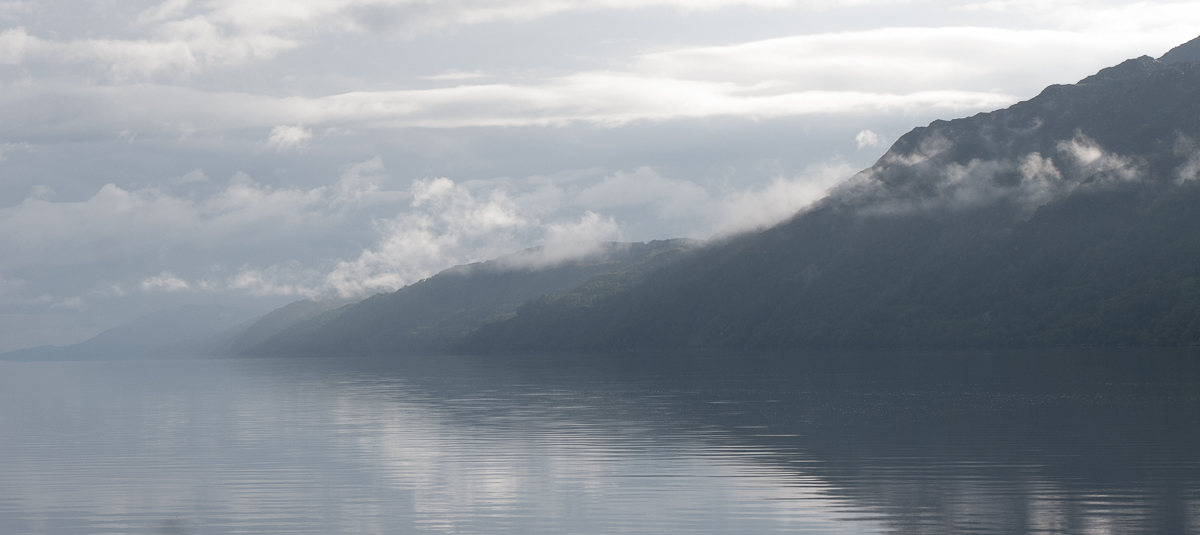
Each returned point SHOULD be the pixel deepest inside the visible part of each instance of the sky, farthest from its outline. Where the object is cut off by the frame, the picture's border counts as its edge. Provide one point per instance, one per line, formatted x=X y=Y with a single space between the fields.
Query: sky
x=155 y=154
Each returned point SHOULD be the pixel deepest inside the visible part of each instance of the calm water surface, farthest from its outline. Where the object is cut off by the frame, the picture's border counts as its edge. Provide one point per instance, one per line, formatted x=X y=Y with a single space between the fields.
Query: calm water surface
x=1033 y=442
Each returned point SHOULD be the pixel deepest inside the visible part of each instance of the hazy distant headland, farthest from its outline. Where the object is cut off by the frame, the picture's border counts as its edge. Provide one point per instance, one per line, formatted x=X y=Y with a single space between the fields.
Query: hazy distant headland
x=1069 y=219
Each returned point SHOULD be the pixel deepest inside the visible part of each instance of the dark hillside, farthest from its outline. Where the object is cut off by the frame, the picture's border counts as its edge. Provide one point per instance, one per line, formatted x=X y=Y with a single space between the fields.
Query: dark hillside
x=435 y=312
x=1069 y=219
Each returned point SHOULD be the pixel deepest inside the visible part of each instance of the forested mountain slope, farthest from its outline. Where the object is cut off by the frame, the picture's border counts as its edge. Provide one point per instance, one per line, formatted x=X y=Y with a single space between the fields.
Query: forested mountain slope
x=1072 y=218
x=434 y=313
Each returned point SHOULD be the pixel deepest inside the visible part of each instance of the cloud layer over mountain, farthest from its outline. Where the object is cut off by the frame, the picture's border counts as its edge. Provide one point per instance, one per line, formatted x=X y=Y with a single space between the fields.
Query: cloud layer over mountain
x=160 y=153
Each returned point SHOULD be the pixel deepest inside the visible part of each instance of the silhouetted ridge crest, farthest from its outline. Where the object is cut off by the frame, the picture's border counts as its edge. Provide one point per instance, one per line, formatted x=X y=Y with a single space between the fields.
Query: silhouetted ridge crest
x=1189 y=51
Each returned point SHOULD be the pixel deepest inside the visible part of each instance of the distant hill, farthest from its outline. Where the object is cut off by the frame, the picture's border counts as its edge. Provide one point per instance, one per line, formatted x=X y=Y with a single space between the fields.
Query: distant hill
x=173 y=332
x=1072 y=218
x=435 y=313
x=239 y=339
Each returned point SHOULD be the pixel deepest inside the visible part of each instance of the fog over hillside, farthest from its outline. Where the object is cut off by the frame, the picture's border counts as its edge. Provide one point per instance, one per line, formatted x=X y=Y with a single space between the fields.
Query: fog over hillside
x=157 y=154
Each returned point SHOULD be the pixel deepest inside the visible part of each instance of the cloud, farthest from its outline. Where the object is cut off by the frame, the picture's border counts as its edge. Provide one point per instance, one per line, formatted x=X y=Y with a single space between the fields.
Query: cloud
x=644 y=187
x=41 y=192
x=73 y=303
x=446 y=225
x=290 y=279
x=122 y=223
x=10 y=288
x=1187 y=147
x=1172 y=20
x=887 y=70
x=179 y=48
x=867 y=138
x=907 y=59
x=567 y=240
x=288 y=137
x=1096 y=164
x=249 y=239
x=449 y=224
x=604 y=99
x=6 y=148
x=13 y=45
x=454 y=75
x=1029 y=181
x=166 y=282
x=193 y=176
x=183 y=38
x=12 y=9
x=170 y=9
x=408 y=18
x=759 y=208
x=714 y=211
x=109 y=290
x=1082 y=149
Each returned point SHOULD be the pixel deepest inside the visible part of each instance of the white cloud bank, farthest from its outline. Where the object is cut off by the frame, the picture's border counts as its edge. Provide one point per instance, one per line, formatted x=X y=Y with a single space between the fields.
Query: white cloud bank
x=908 y=58
x=1078 y=164
x=449 y=224
x=602 y=99
x=244 y=227
x=870 y=72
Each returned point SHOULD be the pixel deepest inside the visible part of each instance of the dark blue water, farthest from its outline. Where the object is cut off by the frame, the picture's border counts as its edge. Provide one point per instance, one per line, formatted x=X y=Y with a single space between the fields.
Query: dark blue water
x=1001 y=442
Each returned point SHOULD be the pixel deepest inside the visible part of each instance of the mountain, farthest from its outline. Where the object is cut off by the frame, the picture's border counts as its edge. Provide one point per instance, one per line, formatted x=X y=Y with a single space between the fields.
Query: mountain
x=172 y=332
x=434 y=313
x=1072 y=218
x=240 y=339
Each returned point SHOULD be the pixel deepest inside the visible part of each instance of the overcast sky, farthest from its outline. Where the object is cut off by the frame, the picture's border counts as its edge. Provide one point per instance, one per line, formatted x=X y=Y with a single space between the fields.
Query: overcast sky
x=254 y=153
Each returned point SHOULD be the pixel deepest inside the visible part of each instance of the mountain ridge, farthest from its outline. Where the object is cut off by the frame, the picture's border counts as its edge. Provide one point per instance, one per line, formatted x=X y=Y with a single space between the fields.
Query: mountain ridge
x=1066 y=219
x=178 y=331
x=1014 y=227
x=432 y=314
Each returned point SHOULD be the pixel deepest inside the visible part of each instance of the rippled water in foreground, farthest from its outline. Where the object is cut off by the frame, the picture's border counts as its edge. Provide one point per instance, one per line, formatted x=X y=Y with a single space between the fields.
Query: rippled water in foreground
x=1048 y=442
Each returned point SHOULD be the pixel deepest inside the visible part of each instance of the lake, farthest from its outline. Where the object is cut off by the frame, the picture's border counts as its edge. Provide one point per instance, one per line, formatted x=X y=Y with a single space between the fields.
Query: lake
x=1082 y=441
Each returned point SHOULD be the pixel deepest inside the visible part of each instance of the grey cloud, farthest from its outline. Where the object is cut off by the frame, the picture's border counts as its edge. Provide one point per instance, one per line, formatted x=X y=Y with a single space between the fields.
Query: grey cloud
x=193 y=176
x=412 y=18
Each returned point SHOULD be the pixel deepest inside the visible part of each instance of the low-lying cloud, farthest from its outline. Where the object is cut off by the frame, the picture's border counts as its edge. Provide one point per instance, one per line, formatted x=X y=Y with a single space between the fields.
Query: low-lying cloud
x=247 y=238
x=1028 y=181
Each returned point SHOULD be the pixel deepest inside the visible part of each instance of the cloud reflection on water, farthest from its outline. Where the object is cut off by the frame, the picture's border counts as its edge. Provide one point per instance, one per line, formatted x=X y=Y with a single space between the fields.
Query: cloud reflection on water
x=707 y=444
